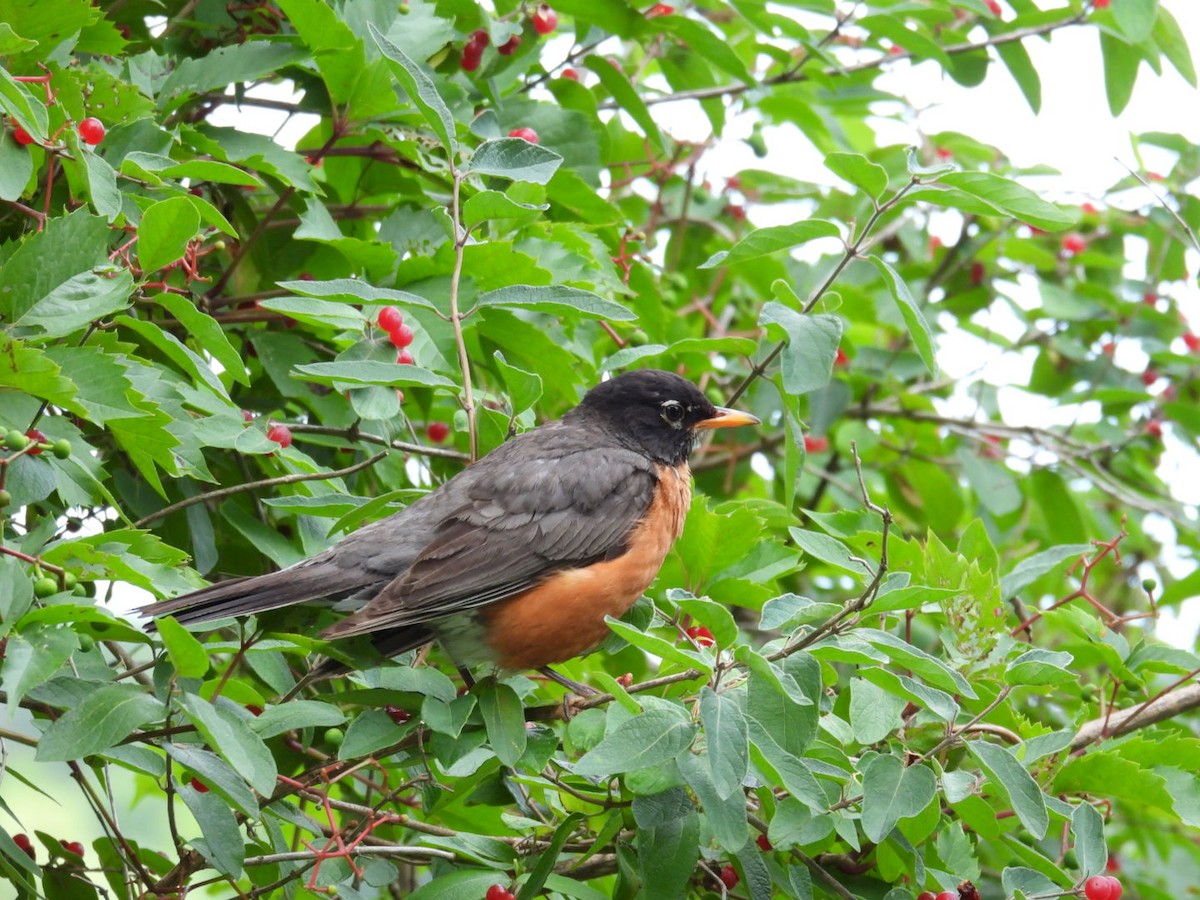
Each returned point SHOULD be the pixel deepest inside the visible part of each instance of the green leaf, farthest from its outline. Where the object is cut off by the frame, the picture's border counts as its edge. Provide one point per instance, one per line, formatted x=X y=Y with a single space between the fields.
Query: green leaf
x=868 y=177
x=371 y=731
x=772 y=239
x=68 y=246
x=1090 y=849
x=1031 y=568
x=516 y=159
x=661 y=648
x=653 y=737
x=1011 y=199
x=504 y=717
x=102 y=186
x=294 y=715
x=457 y=884
x=892 y=792
x=1040 y=667
x=16 y=100
x=701 y=41
x=812 y=345
x=217 y=774
x=420 y=89
x=16 y=165
x=367 y=371
x=627 y=97
x=874 y=712
x=1174 y=46
x=187 y=654
x=1135 y=18
x=164 y=232
x=727 y=740
x=487 y=206
x=548 y=857
x=524 y=388
x=668 y=850
x=918 y=328
x=223 y=845
x=32 y=655
x=232 y=738
x=79 y=301
x=207 y=332
x=1016 y=58
x=245 y=62
x=349 y=290
x=826 y=549
x=1011 y=779
x=1121 y=62
x=100 y=720
x=556 y=298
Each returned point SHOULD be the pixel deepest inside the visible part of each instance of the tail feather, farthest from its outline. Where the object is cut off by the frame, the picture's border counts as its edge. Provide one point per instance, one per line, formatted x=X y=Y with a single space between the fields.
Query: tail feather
x=260 y=593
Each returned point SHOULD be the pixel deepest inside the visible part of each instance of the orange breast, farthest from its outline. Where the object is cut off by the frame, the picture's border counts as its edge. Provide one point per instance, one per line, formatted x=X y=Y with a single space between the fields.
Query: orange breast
x=563 y=617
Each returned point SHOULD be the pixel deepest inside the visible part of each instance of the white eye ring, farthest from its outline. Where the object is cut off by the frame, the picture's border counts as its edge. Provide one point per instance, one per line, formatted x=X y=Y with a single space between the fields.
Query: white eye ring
x=672 y=413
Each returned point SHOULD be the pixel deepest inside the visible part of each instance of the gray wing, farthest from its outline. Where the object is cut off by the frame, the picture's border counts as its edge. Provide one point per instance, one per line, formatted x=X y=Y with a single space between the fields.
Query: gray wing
x=530 y=516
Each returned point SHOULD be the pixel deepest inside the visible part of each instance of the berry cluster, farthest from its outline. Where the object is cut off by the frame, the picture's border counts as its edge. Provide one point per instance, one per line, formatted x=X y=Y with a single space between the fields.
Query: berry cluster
x=544 y=20
x=91 y=131
x=1102 y=887
x=34 y=443
x=392 y=322
x=499 y=892
x=701 y=635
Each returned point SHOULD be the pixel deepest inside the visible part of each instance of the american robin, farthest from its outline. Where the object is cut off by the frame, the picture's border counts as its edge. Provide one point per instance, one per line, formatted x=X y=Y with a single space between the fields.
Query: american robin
x=517 y=559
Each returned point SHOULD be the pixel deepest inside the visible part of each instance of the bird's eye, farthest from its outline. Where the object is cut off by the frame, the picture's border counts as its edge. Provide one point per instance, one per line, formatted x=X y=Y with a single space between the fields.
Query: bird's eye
x=672 y=413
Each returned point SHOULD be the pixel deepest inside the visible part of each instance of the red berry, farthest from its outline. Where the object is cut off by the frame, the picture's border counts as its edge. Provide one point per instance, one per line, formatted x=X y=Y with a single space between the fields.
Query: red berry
x=471 y=59
x=38 y=438
x=701 y=636
x=927 y=895
x=895 y=50
x=944 y=153
x=22 y=841
x=280 y=434
x=92 y=131
x=509 y=47
x=935 y=244
x=947 y=895
x=1101 y=4
x=404 y=358
x=840 y=358
x=307 y=276
x=389 y=318
x=978 y=271
x=247 y=416
x=525 y=134
x=570 y=73
x=1150 y=298
x=625 y=680
x=660 y=9
x=1074 y=243
x=438 y=431
x=73 y=847
x=544 y=19
x=401 y=336
x=1154 y=429
x=254 y=709
x=765 y=845
x=1089 y=209
x=1108 y=348
x=993 y=7
x=499 y=892
x=397 y=714
x=729 y=875
x=478 y=40
x=1192 y=341
x=1113 y=864
x=1102 y=887
x=1149 y=377
x=199 y=786
x=24 y=138
x=815 y=444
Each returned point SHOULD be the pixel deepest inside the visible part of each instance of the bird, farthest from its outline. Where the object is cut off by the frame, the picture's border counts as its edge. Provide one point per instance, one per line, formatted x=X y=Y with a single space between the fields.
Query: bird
x=517 y=559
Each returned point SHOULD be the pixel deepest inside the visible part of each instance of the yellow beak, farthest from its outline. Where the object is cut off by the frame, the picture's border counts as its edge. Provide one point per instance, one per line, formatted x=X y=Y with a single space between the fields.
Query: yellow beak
x=728 y=418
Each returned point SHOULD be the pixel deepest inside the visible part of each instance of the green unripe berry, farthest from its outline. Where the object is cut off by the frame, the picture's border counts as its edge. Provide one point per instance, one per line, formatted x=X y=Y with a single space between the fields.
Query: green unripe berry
x=45 y=587
x=86 y=642
x=79 y=590
x=5 y=498
x=62 y=448
x=1149 y=585
x=14 y=440
x=334 y=737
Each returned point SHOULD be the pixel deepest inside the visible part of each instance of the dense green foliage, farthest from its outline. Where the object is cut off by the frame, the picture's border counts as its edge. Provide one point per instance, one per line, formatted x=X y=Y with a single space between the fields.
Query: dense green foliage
x=920 y=670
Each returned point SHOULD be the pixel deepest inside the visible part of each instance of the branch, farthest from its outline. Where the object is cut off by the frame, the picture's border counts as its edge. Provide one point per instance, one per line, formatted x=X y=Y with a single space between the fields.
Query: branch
x=219 y=493
x=464 y=362
x=1153 y=711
